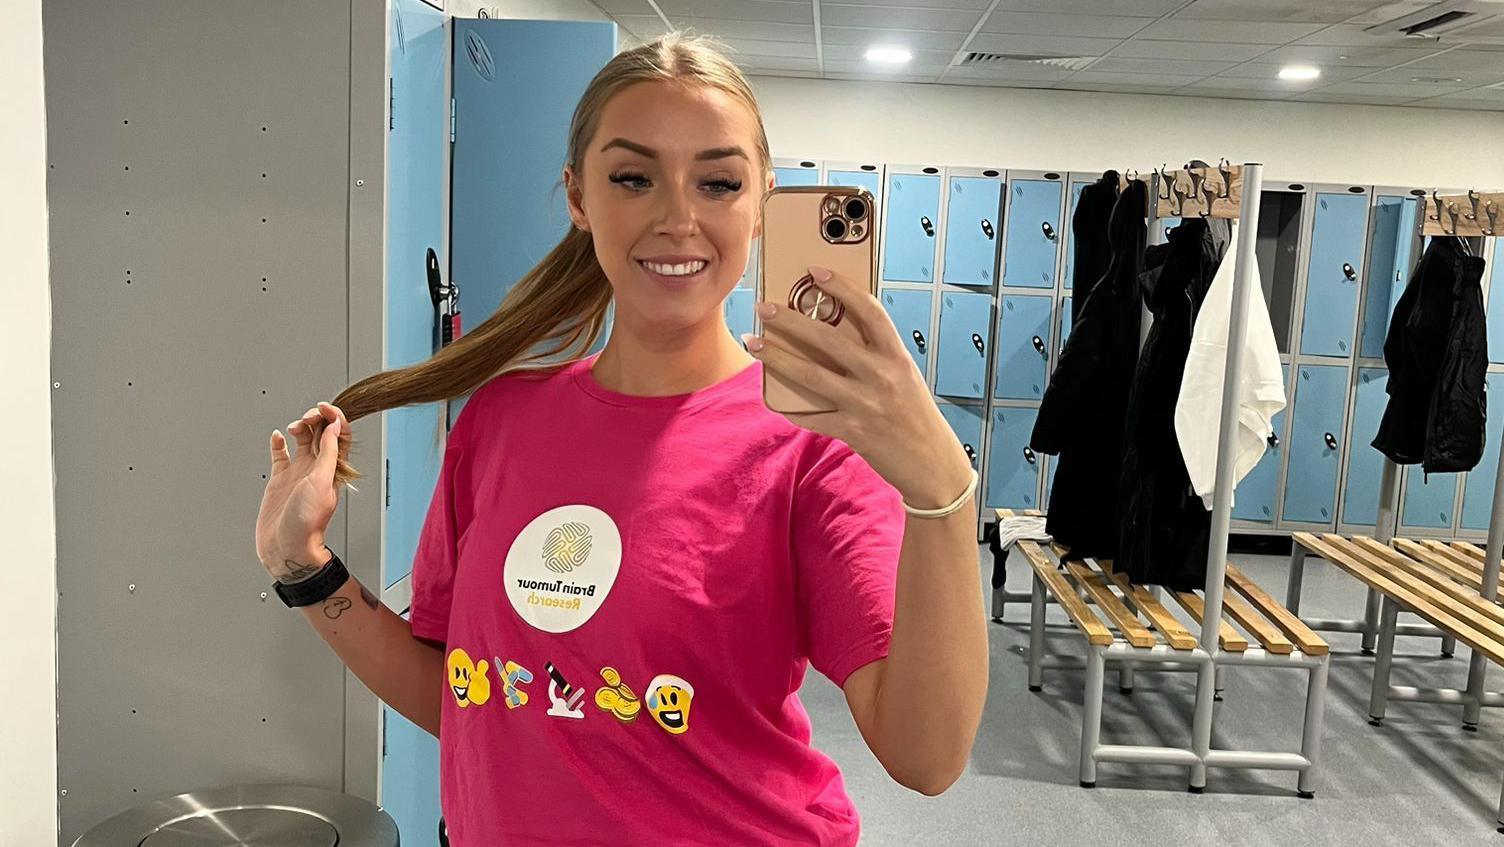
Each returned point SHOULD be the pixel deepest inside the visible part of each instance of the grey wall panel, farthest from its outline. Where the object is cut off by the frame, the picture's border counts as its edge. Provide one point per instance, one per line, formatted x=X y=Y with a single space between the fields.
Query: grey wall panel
x=203 y=232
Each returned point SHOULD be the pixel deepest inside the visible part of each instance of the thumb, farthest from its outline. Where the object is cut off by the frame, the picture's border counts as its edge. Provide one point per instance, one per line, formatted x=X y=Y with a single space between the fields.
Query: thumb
x=329 y=449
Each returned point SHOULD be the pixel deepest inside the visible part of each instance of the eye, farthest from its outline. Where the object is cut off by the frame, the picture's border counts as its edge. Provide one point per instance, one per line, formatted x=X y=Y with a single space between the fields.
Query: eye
x=726 y=186
x=624 y=177
x=673 y=698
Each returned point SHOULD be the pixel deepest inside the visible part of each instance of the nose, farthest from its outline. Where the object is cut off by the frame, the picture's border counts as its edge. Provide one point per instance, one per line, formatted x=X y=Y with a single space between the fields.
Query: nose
x=676 y=214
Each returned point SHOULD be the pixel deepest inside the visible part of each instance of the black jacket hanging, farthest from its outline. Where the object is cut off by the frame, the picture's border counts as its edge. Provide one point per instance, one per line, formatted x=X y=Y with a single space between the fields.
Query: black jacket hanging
x=1085 y=406
x=1164 y=526
x=1091 y=252
x=1437 y=353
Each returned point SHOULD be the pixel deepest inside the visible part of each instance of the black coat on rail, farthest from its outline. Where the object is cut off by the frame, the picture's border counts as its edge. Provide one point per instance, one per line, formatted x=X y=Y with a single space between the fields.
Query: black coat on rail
x=1437 y=353
x=1164 y=526
x=1091 y=254
x=1085 y=407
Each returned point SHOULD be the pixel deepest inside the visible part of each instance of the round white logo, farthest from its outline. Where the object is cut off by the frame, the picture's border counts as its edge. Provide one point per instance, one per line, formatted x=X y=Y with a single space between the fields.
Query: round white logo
x=562 y=566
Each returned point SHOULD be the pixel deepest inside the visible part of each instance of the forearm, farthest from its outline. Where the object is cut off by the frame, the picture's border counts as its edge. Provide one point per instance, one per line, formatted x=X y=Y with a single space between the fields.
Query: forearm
x=934 y=682
x=377 y=645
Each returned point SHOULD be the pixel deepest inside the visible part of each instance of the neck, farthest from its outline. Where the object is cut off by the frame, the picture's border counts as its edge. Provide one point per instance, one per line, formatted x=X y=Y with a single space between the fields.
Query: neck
x=656 y=370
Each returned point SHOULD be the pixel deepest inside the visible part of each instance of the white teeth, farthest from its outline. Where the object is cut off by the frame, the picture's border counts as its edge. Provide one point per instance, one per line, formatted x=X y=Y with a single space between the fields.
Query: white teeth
x=682 y=269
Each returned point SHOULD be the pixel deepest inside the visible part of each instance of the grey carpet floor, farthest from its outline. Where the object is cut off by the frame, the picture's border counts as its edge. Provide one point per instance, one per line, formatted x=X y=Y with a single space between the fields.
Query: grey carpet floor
x=1417 y=780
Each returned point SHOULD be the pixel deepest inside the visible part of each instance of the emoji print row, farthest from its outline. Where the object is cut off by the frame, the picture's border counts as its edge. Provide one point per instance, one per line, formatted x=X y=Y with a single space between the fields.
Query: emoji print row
x=668 y=696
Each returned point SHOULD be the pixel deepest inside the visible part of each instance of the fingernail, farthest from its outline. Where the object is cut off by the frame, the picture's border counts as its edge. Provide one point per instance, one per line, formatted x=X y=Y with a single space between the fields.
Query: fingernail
x=754 y=344
x=766 y=310
x=819 y=273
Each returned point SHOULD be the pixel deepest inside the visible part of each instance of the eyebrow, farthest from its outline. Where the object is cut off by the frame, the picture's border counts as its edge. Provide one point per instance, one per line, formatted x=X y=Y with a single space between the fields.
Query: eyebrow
x=712 y=153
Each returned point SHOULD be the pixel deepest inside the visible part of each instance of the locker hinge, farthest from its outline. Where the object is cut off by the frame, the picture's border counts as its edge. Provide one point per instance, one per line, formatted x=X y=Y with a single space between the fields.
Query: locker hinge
x=388 y=483
x=451 y=120
x=391 y=104
x=383 y=733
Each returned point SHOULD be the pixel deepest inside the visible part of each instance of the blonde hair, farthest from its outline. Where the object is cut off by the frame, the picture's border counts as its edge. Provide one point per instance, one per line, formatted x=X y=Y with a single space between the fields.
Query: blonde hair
x=564 y=298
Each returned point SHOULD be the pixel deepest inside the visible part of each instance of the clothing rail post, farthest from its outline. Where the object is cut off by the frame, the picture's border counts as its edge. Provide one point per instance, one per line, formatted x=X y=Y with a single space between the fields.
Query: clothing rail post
x=1477 y=666
x=1388 y=518
x=1216 y=554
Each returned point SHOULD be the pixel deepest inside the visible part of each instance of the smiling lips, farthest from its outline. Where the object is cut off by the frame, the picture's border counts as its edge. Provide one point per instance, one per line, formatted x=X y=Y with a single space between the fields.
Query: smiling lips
x=687 y=268
x=673 y=719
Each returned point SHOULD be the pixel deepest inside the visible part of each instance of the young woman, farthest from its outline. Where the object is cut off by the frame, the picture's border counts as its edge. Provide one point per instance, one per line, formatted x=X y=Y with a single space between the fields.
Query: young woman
x=629 y=560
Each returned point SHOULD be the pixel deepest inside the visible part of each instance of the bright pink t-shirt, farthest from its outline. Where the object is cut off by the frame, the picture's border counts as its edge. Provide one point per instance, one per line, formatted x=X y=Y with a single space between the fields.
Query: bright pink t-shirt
x=645 y=580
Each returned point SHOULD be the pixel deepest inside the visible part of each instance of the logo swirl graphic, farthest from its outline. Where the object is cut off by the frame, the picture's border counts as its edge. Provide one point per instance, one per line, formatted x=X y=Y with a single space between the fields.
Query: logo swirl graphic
x=567 y=547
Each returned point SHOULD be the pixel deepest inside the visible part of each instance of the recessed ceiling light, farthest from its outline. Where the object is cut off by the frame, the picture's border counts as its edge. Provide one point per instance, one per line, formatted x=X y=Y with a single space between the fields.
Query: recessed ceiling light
x=1299 y=72
x=890 y=55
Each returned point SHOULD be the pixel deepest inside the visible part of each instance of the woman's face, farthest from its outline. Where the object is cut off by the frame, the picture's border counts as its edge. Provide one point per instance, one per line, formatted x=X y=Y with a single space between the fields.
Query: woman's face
x=671 y=191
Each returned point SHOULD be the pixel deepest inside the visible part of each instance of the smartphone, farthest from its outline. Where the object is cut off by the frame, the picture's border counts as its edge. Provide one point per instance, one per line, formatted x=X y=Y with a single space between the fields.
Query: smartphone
x=833 y=226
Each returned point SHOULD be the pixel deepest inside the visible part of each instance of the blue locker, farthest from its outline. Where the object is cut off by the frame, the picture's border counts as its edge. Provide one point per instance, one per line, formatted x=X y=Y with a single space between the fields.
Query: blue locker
x=966 y=422
x=1253 y=499
x=1033 y=233
x=869 y=180
x=1365 y=465
x=1496 y=305
x=796 y=176
x=1315 y=444
x=1012 y=468
x=1478 y=489
x=417 y=171
x=965 y=320
x=1070 y=243
x=1332 y=274
x=1065 y=322
x=1050 y=463
x=739 y=312
x=1023 y=347
x=1429 y=499
x=1389 y=264
x=910 y=311
x=971 y=230
x=909 y=230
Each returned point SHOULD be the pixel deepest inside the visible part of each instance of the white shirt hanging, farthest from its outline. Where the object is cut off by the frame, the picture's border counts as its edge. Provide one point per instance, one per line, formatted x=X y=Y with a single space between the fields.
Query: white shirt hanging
x=1261 y=394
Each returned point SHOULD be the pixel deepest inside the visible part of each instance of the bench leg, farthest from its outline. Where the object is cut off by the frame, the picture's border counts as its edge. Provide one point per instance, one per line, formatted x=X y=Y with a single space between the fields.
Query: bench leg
x=1297 y=575
x=1036 y=633
x=1201 y=724
x=1370 y=621
x=1477 y=668
x=1310 y=734
x=1125 y=678
x=1219 y=685
x=1091 y=714
x=1448 y=646
x=1500 y=816
x=1378 y=700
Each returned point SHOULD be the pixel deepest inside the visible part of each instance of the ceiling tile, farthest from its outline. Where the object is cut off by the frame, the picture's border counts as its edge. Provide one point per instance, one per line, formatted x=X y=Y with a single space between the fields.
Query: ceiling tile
x=1189 y=67
x=1471 y=105
x=945 y=20
x=1017 y=71
x=1250 y=32
x=1130 y=8
x=1363 y=57
x=1462 y=60
x=1234 y=83
x=625 y=7
x=1296 y=11
x=772 y=11
x=977 y=6
x=912 y=39
x=1037 y=23
x=1387 y=89
x=1270 y=71
x=1200 y=90
x=747 y=29
x=1113 y=88
x=1384 y=12
x=1354 y=35
x=1350 y=99
x=645 y=27
x=752 y=47
x=871 y=77
x=1041 y=45
x=757 y=64
x=1442 y=79
x=1157 y=80
x=858 y=53
x=1147 y=48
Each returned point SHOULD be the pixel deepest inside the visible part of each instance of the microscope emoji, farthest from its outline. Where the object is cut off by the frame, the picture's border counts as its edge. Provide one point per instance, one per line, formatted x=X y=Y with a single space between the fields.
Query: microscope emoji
x=565 y=698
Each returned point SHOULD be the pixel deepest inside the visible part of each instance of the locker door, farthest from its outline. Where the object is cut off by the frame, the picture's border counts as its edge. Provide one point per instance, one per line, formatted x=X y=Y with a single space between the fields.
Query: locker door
x=910 y=311
x=971 y=230
x=1065 y=322
x=965 y=320
x=1033 y=233
x=1428 y=499
x=739 y=312
x=1496 y=306
x=1365 y=465
x=909 y=231
x=869 y=180
x=1478 y=489
x=1389 y=260
x=1050 y=464
x=1315 y=444
x=966 y=422
x=1253 y=499
x=796 y=176
x=1012 y=468
x=1332 y=275
x=1070 y=243
x=1023 y=347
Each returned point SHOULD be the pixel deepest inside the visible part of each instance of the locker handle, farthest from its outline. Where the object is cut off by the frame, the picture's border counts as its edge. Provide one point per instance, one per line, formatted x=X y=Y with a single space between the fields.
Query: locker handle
x=987 y=228
x=1350 y=272
x=1039 y=344
x=1029 y=455
x=1273 y=440
x=927 y=226
x=1049 y=231
x=971 y=453
x=978 y=342
x=1331 y=441
x=919 y=340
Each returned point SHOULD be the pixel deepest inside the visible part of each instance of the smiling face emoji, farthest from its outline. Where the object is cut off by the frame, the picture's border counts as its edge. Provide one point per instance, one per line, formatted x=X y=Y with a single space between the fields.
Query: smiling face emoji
x=467 y=680
x=668 y=701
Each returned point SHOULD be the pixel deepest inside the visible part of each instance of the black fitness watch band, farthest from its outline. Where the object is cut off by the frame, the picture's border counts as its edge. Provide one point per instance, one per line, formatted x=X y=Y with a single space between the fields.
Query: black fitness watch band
x=316 y=589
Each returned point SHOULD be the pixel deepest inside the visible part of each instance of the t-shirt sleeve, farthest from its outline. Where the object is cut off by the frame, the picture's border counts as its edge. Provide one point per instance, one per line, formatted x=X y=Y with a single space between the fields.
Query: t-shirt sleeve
x=847 y=531
x=437 y=556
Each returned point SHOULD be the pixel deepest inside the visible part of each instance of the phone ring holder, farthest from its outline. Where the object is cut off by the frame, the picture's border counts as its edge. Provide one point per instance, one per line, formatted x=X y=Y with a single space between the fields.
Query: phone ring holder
x=810 y=300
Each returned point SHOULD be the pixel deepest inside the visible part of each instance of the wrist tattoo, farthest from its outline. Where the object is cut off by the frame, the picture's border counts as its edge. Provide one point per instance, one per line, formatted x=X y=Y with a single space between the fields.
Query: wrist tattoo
x=369 y=598
x=297 y=571
x=335 y=606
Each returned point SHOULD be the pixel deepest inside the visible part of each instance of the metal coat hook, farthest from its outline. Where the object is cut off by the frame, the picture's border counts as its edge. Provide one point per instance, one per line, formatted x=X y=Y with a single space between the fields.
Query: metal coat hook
x=1211 y=197
x=1180 y=195
x=1198 y=178
x=1164 y=179
x=1437 y=200
x=1492 y=211
x=1225 y=168
x=1473 y=197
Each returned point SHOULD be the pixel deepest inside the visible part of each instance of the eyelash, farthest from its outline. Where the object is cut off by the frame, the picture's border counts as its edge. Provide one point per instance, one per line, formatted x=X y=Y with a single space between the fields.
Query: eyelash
x=728 y=186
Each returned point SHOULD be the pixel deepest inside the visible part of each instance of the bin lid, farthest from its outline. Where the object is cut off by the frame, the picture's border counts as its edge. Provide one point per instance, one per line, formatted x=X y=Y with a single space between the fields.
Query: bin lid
x=249 y=816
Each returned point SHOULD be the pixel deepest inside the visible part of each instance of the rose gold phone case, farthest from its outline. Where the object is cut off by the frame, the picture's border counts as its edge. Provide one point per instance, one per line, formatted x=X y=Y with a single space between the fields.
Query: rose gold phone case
x=794 y=236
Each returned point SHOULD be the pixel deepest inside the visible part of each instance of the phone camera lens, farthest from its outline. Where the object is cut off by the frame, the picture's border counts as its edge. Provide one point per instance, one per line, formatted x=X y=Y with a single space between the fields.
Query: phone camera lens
x=835 y=229
x=856 y=208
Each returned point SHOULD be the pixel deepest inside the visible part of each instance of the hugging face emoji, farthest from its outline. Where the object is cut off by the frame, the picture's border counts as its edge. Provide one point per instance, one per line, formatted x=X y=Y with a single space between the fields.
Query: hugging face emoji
x=467 y=680
x=668 y=699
